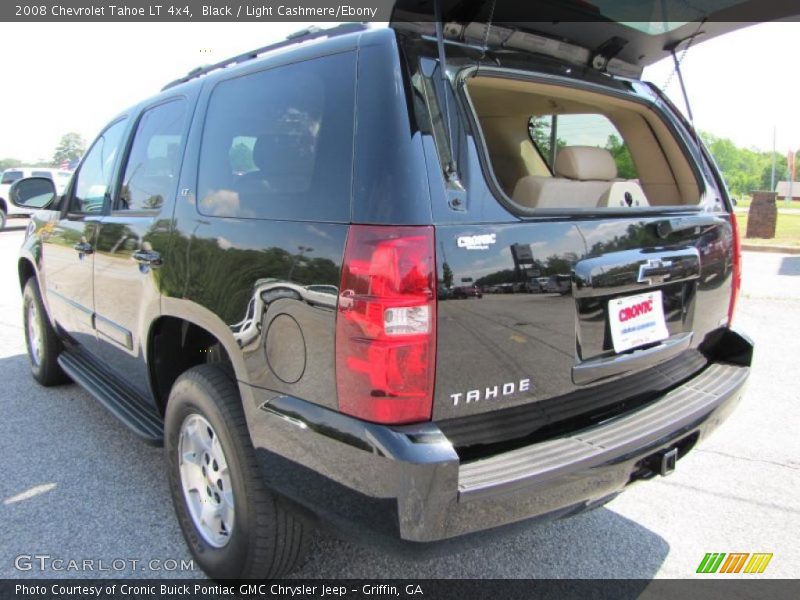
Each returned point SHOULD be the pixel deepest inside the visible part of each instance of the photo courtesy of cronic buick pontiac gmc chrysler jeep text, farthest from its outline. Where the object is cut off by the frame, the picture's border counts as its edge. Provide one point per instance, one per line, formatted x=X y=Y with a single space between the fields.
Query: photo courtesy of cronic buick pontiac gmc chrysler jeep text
x=261 y=266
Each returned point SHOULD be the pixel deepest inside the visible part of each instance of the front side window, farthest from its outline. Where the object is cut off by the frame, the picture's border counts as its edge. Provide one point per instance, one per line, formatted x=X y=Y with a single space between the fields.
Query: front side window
x=151 y=173
x=96 y=171
x=278 y=144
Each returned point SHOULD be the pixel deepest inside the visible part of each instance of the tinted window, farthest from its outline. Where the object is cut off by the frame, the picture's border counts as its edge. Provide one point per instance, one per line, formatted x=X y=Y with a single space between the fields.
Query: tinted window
x=11 y=176
x=279 y=143
x=94 y=176
x=151 y=174
x=45 y=174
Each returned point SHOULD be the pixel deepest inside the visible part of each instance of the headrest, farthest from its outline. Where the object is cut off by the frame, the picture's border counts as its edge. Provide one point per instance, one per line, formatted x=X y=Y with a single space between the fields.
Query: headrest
x=265 y=150
x=283 y=153
x=585 y=163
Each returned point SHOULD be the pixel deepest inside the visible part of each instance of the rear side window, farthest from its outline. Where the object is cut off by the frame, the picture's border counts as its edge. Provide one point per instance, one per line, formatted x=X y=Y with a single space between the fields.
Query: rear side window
x=151 y=174
x=580 y=130
x=278 y=144
x=11 y=176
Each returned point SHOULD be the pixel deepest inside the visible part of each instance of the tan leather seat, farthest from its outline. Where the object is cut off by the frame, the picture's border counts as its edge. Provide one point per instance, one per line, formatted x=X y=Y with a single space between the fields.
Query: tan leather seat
x=583 y=177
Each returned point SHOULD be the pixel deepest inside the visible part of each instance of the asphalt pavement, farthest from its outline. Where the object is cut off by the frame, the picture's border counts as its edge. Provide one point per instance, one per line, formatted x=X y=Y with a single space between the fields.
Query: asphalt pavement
x=75 y=485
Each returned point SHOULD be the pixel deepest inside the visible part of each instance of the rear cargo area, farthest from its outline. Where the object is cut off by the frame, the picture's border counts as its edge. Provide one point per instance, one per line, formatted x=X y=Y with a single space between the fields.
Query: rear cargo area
x=606 y=283
x=559 y=147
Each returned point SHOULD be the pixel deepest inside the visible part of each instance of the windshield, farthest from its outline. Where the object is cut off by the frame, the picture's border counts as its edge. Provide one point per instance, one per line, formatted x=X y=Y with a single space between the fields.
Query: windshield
x=11 y=176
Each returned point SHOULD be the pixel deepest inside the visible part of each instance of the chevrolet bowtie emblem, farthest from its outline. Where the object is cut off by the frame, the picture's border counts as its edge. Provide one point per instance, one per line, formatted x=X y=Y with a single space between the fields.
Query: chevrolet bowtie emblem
x=654 y=271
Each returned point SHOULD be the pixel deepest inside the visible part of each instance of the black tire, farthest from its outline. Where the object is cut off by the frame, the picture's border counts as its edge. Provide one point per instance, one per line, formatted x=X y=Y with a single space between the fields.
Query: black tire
x=3 y=219
x=268 y=540
x=45 y=369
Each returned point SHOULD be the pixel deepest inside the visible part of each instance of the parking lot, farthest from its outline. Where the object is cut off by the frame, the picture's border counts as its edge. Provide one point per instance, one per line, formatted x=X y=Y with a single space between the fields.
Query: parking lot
x=76 y=485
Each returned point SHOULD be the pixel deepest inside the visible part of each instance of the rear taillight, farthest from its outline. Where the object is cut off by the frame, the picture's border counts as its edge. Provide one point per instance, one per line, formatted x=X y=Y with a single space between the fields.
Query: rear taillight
x=386 y=324
x=736 y=283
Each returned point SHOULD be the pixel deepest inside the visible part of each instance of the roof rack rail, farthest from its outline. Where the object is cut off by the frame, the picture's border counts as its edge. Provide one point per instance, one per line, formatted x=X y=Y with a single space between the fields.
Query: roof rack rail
x=309 y=33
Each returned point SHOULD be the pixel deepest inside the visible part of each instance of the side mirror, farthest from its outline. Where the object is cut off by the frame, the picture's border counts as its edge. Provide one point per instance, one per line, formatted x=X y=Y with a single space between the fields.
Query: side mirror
x=33 y=192
x=734 y=202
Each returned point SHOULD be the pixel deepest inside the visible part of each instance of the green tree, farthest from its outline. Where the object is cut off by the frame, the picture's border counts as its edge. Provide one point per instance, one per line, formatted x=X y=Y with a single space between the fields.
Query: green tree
x=539 y=130
x=70 y=147
x=10 y=163
x=622 y=157
x=447 y=275
x=7 y=163
x=744 y=169
x=242 y=158
x=781 y=170
x=558 y=264
x=498 y=277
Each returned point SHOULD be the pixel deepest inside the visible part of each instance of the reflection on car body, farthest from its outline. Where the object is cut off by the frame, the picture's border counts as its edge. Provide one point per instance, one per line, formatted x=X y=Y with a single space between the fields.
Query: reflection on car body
x=466 y=291
x=558 y=284
x=269 y=290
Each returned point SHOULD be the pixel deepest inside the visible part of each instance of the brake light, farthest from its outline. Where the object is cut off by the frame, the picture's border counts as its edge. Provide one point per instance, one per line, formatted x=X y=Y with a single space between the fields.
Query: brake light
x=386 y=324
x=736 y=283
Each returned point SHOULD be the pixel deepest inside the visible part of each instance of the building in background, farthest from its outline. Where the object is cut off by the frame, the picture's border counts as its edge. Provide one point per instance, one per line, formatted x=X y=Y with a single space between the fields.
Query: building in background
x=782 y=190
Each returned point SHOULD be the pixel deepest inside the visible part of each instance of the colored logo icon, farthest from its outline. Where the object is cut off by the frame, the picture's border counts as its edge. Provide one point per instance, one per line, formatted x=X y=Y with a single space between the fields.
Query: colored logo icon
x=735 y=562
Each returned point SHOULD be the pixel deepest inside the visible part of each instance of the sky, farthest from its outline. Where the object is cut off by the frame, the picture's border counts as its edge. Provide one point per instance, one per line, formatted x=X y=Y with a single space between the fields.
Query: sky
x=62 y=77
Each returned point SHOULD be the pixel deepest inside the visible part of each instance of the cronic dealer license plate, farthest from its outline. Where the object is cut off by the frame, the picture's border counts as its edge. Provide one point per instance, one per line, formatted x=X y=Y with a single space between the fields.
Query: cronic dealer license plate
x=637 y=320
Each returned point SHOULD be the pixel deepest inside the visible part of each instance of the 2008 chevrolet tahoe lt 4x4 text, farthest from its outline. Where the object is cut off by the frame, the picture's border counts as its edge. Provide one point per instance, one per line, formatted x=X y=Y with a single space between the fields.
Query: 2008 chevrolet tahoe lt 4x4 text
x=259 y=269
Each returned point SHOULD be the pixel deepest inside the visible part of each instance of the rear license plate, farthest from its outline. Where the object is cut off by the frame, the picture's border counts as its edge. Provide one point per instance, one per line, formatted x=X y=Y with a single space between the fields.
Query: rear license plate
x=637 y=320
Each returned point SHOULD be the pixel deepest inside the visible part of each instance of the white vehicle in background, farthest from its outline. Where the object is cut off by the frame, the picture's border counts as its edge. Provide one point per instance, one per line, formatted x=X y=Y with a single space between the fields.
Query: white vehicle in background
x=60 y=177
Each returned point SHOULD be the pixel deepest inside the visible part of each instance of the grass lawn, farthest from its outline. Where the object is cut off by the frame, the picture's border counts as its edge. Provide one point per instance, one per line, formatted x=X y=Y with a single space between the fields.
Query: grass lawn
x=787 y=232
x=743 y=202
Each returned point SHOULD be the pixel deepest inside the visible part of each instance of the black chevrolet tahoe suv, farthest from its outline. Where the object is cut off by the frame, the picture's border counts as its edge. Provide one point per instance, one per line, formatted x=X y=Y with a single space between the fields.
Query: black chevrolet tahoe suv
x=256 y=268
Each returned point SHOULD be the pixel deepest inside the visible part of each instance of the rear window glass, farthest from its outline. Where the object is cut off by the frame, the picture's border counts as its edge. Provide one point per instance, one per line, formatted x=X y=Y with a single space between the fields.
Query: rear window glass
x=45 y=174
x=278 y=144
x=557 y=147
x=11 y=176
